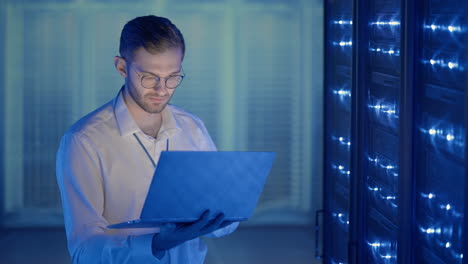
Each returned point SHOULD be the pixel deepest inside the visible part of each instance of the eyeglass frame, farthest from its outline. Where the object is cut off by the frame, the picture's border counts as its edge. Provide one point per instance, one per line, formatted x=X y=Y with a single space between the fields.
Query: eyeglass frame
x=159 y=78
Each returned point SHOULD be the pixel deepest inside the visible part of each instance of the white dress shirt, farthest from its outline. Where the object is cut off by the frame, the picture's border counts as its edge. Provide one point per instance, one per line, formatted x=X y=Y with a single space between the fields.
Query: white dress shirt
x=104 y=174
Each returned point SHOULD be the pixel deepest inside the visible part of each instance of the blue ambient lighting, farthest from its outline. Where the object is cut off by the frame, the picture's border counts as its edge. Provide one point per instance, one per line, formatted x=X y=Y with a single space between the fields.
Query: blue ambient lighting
x=428 y=196
x=339 y=262
x=389 y=110
x=342 y=218
x=342 y=92
x=450 y=28
x=342 y=141
x=374 y=244
x=341 y=169
x=386 y=23
x=388 y=256
x=390 y=169
x=343 y=43
x=389 y=51
x=445 y=134
x=343 y=22
x=444 y=63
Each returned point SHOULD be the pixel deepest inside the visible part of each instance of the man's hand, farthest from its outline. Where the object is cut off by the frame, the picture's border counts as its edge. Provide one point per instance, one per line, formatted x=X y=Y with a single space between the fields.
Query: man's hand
x=172 y=235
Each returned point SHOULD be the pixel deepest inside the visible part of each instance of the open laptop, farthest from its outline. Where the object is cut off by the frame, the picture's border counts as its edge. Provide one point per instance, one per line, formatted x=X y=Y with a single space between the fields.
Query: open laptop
x=186 y=183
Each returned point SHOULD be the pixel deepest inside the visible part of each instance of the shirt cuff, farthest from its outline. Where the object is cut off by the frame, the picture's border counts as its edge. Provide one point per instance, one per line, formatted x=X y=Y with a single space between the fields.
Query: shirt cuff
x=224 y=231
x=142 y=249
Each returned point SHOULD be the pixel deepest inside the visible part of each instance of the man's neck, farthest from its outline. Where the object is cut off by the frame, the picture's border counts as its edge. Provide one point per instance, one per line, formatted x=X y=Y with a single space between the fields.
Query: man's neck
x=149 y=123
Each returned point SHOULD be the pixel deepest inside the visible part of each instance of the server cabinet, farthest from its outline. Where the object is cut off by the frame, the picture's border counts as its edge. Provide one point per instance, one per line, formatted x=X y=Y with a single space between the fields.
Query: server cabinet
x=338 y=126
x=378 y=151
x=440 y=132
x=395 y=167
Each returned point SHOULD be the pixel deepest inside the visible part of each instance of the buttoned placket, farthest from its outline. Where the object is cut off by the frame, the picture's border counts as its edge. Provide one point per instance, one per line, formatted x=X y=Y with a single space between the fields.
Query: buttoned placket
x=157 y=145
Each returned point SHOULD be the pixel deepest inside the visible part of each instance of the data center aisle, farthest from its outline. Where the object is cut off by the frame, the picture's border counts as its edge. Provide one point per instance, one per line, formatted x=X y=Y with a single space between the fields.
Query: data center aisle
x=263 y=245
x=248 y=245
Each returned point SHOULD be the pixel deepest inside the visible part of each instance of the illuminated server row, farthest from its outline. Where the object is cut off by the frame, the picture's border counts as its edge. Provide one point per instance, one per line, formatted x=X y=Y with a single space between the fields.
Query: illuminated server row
x=395 y=104
x=338 y=129
x=440 y=133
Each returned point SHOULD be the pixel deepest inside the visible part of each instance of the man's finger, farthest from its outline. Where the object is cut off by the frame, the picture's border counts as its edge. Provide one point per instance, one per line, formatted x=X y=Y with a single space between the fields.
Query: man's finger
x=200 y=223
x=214 y=224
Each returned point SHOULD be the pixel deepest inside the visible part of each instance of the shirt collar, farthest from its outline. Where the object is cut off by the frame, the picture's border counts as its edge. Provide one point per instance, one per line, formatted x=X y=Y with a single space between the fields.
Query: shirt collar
x=128 y=126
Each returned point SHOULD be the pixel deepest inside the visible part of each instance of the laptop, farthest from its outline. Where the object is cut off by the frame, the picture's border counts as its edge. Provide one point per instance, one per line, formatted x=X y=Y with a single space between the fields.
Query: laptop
x=186 y=183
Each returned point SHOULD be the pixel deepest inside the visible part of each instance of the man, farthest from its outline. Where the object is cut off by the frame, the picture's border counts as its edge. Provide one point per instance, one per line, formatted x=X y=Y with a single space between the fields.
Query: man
x=106 y=160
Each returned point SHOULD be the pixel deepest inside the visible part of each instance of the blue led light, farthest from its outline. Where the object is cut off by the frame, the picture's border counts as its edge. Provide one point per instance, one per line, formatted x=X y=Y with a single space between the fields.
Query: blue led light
x=374 y=244
x=342 y=141
x=341 y=169
x=382 y=249
x=455 y=255
x=430 y=230
x=343 y=22
x=387 y=256
x=389 y=51
x=386 y=23
x=342 y=92
x=428 y=196
x=447 y=207
x=450 y=137
x=334 y=262
x=451 y=64
x=438 y=135
x=343 y=43
x=450 y=28
x=342 y=218
x=389 y=110
x=377 y=190
x=389 y=168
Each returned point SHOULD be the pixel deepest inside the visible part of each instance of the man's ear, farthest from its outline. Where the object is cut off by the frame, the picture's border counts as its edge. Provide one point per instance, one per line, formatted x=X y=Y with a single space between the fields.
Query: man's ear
x=121 y=66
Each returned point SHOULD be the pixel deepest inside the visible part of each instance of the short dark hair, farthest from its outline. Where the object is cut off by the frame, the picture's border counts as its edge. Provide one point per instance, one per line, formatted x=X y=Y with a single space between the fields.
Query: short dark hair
x=155 y=34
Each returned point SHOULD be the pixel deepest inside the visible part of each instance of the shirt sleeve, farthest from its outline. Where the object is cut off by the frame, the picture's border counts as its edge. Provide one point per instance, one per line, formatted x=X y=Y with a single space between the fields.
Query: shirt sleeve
x=89 y=240
x=224 y=231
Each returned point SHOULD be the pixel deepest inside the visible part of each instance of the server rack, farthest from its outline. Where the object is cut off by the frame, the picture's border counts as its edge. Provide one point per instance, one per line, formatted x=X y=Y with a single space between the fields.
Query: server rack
x=338 y=124
x=395 y=83
x=440 y=133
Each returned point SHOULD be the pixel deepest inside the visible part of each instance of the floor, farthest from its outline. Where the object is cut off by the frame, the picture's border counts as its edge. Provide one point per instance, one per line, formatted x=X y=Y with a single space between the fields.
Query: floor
x=248 y=245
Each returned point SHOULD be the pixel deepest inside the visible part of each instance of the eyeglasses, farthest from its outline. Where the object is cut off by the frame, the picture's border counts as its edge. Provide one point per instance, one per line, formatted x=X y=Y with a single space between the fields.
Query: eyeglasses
x=151 y=81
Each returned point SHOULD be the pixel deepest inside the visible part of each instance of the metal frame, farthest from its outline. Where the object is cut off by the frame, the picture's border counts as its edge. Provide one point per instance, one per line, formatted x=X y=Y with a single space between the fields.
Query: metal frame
x=358 y=203
x=465 y=224
x=326 y=180
x=406 y=182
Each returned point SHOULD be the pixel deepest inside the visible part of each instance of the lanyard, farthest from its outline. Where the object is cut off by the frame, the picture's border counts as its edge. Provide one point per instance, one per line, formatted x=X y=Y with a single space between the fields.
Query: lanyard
x=146 y=151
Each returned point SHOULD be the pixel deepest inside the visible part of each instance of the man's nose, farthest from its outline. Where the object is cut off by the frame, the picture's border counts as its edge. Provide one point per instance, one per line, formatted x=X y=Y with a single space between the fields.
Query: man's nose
x=161 y=88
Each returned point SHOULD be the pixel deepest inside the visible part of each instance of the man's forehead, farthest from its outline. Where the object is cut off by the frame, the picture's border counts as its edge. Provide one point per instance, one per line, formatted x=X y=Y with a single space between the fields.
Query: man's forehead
x=168 y=60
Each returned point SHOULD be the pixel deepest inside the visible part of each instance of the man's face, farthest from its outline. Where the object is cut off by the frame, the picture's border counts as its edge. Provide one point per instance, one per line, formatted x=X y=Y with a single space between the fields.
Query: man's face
x=165 y=64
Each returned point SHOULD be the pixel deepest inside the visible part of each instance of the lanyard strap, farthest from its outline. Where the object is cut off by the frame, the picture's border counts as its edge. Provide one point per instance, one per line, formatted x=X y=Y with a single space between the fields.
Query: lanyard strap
x=146 y=151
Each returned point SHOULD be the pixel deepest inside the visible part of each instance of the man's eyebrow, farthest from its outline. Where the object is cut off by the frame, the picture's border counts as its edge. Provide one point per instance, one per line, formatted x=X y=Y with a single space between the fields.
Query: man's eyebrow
x=150 y=73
